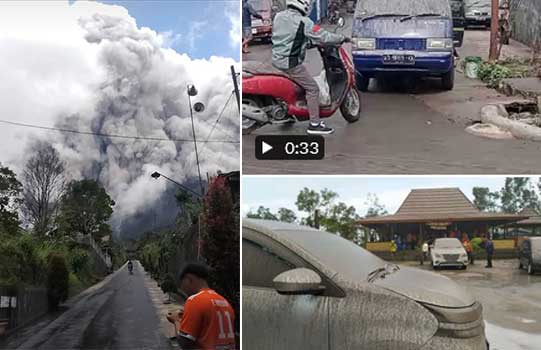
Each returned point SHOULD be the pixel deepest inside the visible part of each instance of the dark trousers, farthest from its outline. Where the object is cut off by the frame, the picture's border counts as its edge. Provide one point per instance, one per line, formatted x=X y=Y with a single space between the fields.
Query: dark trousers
x=470 y=257
x=489 y=260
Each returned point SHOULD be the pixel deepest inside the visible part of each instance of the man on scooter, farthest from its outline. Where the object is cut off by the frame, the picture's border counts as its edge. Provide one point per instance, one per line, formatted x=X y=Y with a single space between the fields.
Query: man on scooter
x=292 y=29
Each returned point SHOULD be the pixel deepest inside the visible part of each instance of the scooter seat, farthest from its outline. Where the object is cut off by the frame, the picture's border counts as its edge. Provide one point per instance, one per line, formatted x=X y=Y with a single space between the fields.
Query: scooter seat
x=261 y=68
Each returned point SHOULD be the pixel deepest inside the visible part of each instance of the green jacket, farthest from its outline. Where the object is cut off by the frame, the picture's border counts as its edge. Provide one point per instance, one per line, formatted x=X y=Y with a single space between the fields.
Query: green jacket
x=291 y=32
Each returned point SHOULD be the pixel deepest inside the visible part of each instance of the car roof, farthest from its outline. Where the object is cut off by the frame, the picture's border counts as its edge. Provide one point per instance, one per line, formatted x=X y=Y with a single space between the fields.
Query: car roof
x=447 y=239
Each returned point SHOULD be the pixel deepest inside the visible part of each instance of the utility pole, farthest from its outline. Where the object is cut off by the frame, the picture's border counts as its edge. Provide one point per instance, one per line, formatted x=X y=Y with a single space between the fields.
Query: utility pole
x=236 y=85
x=494 y=28
x=192 y=91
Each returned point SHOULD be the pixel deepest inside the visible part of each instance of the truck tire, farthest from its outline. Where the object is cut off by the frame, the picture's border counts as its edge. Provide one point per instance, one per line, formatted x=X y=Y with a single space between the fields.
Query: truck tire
x=362 y=82
x=448 y=80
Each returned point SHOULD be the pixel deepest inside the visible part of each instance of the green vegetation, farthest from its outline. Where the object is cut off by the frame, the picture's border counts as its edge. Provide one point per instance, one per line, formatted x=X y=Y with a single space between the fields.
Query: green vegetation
x=493 y=73
x=322 y=209
x=47 y=251
x=85 y=208
x=516 y=194
x=57 y=280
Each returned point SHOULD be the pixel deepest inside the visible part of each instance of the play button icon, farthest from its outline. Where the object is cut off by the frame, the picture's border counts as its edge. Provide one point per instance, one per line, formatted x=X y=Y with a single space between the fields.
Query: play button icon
x=265 y=147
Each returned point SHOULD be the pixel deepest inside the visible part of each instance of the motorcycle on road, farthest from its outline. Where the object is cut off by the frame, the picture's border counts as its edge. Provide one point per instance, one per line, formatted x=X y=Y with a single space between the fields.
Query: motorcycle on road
x=269 y=96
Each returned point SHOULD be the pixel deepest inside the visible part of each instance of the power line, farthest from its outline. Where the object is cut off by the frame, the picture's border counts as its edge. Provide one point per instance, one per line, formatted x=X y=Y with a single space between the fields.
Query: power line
x=218 y=119
x=109 y=135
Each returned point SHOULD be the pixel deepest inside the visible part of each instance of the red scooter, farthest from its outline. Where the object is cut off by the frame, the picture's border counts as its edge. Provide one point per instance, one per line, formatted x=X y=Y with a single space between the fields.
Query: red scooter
x=269 y=96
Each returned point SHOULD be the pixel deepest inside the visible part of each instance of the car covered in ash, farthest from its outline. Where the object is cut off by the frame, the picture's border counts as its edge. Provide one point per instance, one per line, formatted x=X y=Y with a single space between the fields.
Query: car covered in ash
x=529 y=254
x=308 y=289
x=407 y=38
x=262 y=28
x=478 y=13
x=448 y=252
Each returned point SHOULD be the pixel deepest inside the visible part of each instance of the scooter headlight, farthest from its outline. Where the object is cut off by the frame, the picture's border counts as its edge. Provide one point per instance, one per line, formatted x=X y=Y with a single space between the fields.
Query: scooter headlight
x=364 y=44
x=439 y=44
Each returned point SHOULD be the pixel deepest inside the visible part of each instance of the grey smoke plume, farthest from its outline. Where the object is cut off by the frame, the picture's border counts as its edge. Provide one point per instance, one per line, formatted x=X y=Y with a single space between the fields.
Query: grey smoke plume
x=139 y=88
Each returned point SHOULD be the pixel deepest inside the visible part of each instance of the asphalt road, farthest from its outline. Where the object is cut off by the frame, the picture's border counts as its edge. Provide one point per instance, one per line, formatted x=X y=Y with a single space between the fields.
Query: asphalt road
x=116 y=314
x=511 y=302
x=403 y=130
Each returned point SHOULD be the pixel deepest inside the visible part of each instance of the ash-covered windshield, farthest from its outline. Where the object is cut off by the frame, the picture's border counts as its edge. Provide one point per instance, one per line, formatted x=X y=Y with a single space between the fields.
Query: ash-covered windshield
x=367 y=8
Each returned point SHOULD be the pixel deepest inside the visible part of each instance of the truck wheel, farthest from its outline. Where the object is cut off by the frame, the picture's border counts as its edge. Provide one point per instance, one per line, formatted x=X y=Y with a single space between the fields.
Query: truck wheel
x=448 y=80
x=362 y=82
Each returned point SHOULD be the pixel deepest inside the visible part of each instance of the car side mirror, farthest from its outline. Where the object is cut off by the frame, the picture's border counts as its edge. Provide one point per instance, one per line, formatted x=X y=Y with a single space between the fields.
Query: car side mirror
x=298 y=281
x=341 y=22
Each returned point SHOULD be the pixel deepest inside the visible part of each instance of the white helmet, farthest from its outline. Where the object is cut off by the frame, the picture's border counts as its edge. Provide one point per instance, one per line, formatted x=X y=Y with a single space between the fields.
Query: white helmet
x=304 y=6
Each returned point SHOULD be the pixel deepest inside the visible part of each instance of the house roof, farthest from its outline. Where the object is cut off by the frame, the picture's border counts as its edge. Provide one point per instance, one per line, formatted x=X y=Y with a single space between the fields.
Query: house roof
x=438 y=205
x=533 y=217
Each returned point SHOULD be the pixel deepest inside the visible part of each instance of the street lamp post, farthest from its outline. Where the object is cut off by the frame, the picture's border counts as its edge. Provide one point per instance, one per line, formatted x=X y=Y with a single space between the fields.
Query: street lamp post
x=192 y=91
x=156 y=175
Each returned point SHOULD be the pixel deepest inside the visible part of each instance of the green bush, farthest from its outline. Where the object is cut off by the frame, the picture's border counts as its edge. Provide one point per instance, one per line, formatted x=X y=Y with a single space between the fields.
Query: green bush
x=168 y=285
x=493 y=73
x=57 y=280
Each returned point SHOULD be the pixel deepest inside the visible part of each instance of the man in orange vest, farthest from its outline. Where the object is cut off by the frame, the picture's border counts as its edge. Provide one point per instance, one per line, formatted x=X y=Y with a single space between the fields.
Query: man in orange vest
x=468 y=247
x=208 y=318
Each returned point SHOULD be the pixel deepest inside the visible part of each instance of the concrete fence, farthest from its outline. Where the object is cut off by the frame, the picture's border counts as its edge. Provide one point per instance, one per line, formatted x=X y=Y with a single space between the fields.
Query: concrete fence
x=20 y=305
x=525 y=18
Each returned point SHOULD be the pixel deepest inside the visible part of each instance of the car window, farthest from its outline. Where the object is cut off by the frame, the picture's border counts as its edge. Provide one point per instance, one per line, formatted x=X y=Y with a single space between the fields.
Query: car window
x=260 y=266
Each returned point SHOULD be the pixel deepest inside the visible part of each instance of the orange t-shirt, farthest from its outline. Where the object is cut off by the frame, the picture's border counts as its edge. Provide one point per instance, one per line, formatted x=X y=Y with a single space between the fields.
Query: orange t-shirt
x=208 y=320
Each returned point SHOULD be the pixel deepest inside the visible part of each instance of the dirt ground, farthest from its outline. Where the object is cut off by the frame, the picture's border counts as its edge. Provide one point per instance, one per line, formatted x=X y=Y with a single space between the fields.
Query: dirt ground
x=511 y=301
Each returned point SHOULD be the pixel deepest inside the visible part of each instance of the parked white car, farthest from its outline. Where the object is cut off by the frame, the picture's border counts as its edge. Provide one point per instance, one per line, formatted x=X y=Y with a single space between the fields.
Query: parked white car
x=448 y=252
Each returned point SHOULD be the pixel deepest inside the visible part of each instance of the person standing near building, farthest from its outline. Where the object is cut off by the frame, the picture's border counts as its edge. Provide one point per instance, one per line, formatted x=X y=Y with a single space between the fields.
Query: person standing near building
x=393 y=247
x=208 y=318
x=424 y=252
x=247 y=12
x=468 y=247
x=489 y=247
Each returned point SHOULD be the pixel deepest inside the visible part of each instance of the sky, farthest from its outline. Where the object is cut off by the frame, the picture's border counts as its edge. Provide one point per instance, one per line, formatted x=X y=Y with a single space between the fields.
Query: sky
x=275 y=192
x=199 y=28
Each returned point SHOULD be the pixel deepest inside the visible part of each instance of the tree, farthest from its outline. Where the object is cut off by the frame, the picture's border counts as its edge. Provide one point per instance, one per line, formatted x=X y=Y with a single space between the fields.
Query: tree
x=262 y=213
x=323 y=210
x=43 y=182
x=86 y=208
x=57 y=280
x=518 y=193
x=315 y=204
x=375 y=208
x=286 y=215
x=221 y=242
x=10 y=191
x=485 y=200
x=342 y=219
x=190 y=207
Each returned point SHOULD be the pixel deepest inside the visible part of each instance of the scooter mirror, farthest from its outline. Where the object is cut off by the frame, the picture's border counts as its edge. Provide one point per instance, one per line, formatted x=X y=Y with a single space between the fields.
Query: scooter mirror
x=341 y=22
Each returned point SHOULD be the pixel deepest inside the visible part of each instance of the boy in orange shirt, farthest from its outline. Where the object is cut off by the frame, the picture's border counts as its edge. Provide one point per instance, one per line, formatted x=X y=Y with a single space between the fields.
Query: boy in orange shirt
x=208 y=318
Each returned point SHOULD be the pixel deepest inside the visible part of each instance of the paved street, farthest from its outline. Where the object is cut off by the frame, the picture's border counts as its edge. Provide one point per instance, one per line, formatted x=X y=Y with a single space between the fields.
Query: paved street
x=118 y=313
x=406 y=128
x=511 y=302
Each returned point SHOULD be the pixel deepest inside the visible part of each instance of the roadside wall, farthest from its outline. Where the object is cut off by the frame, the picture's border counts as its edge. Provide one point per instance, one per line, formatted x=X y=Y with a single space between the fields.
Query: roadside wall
x=525 y=20
x=24 y=304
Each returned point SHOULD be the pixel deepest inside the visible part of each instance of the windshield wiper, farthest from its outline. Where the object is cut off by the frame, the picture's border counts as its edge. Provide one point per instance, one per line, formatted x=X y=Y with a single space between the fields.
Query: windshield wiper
x=421 y=15
x=381 y=272
x=383 y=15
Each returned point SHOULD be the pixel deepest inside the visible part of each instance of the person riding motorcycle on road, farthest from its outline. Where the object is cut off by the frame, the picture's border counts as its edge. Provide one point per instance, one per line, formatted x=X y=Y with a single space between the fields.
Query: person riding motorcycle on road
x=292 y=30
x=130 y=266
